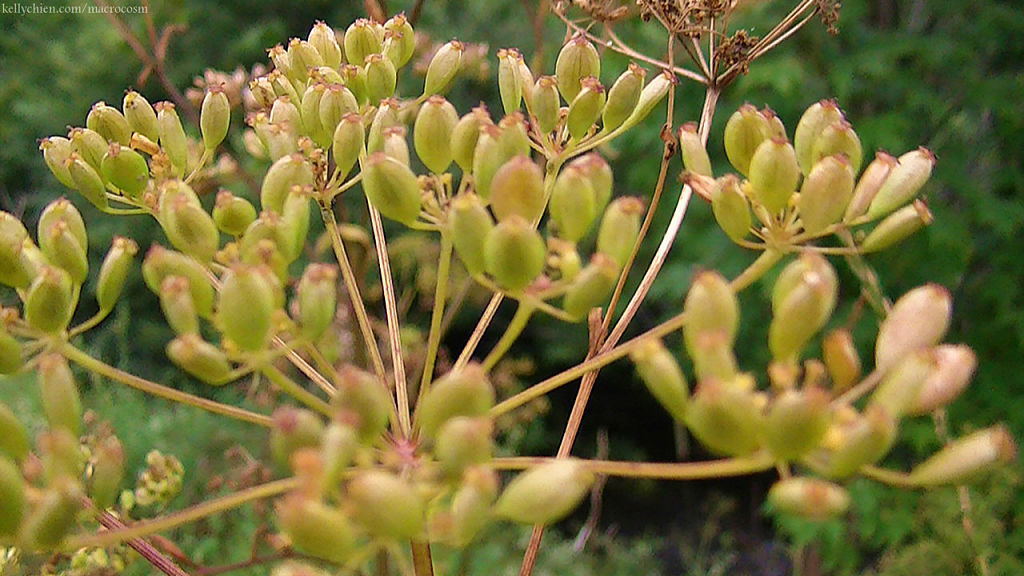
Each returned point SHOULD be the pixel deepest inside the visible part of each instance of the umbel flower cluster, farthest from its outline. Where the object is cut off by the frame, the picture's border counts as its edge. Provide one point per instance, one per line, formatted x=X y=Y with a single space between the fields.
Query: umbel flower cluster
x=368 y=458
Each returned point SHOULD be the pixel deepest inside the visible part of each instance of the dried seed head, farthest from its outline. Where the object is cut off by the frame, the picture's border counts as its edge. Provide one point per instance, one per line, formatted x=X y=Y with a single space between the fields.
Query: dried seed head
x=663 y=377
x=919 y=319
x=443 y=67
x=809 y=498
x=202 y=360
x=546 y=493
x=432 y=133
x=391 y=188
x=514 y=254
x=577 y=60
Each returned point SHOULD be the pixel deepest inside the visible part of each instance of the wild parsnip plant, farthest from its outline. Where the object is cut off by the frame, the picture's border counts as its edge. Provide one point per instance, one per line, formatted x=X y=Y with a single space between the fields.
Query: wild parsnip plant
x=376 y=464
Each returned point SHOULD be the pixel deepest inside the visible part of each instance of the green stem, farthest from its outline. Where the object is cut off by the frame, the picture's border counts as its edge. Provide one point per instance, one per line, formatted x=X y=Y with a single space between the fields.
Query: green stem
x=512 y=331
x=103 y=369
x=756 y=270
x=437 y=314
x=89 y=324
x=890 y=477
x=292 y=388
x=738 y=466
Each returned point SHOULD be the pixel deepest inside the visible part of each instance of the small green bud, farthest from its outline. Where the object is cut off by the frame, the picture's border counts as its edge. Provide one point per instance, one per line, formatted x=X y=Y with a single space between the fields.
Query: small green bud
x=114 y=271
x=381 y=78
x=56 y=150
x=592 y=286
x=126 y=169
x=545 y=103
x=12 y=498
x=620 y=228
x=710 y=306
x=87 y=181
x=372 y=492
x=577 y=59
x=293 y=429
x=161 y=263
x=919 y=319
x=13 y=439
x=140 y=115
x=109 y=122
x=245 y=306
x=510 y=86
x=869 y=184
x=965 y=458
x=724 y=417
x=462 y=392
x=52 y=517
x=284 y=175
x=861 y=442
x=214 y=117
x=172 y=136
x=90 y=145
x=361 y=395
x=825 y=193
x=363 y=38
x=546 y=493
x=471 y=504
x=695 y=155
x=841 y=359
x=623 y=97
x=809 y=498
x=463 y=441
x=317 y=296
x=745 y=131
x=399 y=40
x=469 y=224
x=432 y=133
x=107 y=472
x=10 y=359
x=796 y=422
x=49 y=303
x=443 y=67
x=802 y=302
x=663 y=377
x=348 y=143
x=315 y=528
x=517 y=189
x=573 y=204
x=901 y=386
x=464 y=137
x=391 y=188
x=838 y=138
x=814 y=120
x=59 y=392
x=585 y=108
x=897 y=227
x=190 y=228
x=514 y=254
x=202 y=360
x=232 y=214
x=774 y=173
x=177 y=305
x=953 y=367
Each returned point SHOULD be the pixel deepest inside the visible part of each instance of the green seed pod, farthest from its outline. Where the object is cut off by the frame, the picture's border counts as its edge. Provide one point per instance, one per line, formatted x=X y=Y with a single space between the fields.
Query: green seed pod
x=317 y=296
x=232 y=214
x=545 y=103
x=585 y=108
x=59 y=393
x=838 y=138
x=381 y=78
x=802 y=306
x=919 y=319
x=285 y=113
x=60 y=454
x=391 y=188
x=337 y=451
x=348 y=143
x=361 y=395
x=567 y=257
x=374 y=491
x=965 y=458
x=172 y=136
x=320 y=126
x=487 y=158
x=663 y=377
x=841 y=359
x=354 y=78
x=869 y=184
x=282 y=177
x=796 y=422
x=245 y=306
x=469 y=224
x=62 y=249
x=282 y=63
x=897 y=227
x=514 y=254
x=10 y=361
x=904 y=181
x=90 y=145
x=13 y=439
x=12 y=498
x=730 y=207
x=695 y=155
x=432 y=133
x=512 y=137
x=713 y=356
x=509 y=81
x=282 y=85
x=577 y=60
x=303 y=57
x=386 y=117
x=518 y=190
x=114 y=271
x=49 y=303
x=140 y=115
x=399 y=40
x=161 y=263
x=710 y=306
x=177 y=305
x=653 y=93
x=471 y=504
x=62 y=211
x=462 y=442
x=56 y=150
x=202 y=360
x=190 y=228
x=362 y=38
x=315 y=528
x=462 y=392
x=623 y=97
x=87 y=181
x=745 y=131
x=107 y=472
x=126 y=169
x=952 y=369
x=724 y=417
x=109 y=122
x=900 y=387
x=262 y=90
x=325 y=41
x=443 y=67
x=809 y=498
x=396 y=145
x=825 y=193
x=52 y=517
x=814 y=120
x=861 y=442
x=573 y=204
x=214 y=117
x=464 y=137
x=279 y=140
x=293 y=429
x=620 y=228
x=592 y=286
x=546 y=493
x=774 y=173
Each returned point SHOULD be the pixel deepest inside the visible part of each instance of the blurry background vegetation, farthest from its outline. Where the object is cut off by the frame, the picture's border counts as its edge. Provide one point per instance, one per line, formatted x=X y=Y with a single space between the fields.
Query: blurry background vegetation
x=946 y=75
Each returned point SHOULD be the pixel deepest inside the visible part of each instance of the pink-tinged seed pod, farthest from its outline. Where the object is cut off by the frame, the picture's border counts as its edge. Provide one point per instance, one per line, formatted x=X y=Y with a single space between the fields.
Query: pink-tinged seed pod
x=620 y=228
x=87 y=181
x=694 y=153
x=399 y=40
x=303 y=57
x=952 y=370
x=774 y=174
x=744 y=132
x=90 y=145
x=591 y=286
x=897 y=227
x=59 y=393
x=316 y=529
x=904 y=181
x=901 y=386
x=710 y=306
x=199 y=358
x=462 y=392
x=802 y=302
x=391 y=188
x=13 y=439
x=245 y=306
x=662 y=376
x=56 y=150
x=869 y=184
x=825 y=193
x=190 y=228
x=585 y=108
x=919 y=319
x=283 y=175
x=577 y=60
x=861 y=442
x=518 y=190
x=965 y=458
x=512 y=137
x=713 y=356
x=114 y=271
x=546 y=493
x=172 y=136
x=841 y=359
x=432 y=133
x=443 y=67
x=730 y=207
x=161 y=263
x=49 y=303
x=593 y=167
x=381 y=78
x=232 y=214
x=469 y=223
x=463 y=441
x=177 y=305
x=323 y=39
x=140 y=115
x=819 y=115
x=373 y=491
x=796 y=422
x=214 y=117
x=12 y=498
x=724 y=417
x=317 y=296
x=623 y=97
x=107 y=472
x=471 y=504
x=464 y=137
x=363 y=38
x=573 y=204
x=10 y=360
x=292 y=430
x=809 y=498
x=362 y=397
x=514 y=254
x=347 y=143
x=109 y=122
x=510 y=86
x=126 y=170
x=838 y=138
x=545 y=103
x=396 y=145
x=52 y=517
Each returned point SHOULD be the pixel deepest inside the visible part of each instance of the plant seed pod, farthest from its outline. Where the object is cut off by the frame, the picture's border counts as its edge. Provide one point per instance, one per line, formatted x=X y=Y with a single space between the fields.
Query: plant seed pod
x=284 y=174
x=283 y=69
x=87 y=181
x=965 y=458
x=12 y=498
x=510 y=86
x=90 y=145
x=814 y=120
x=114 y=271
x=337 y=450
x=695 y=154
x=710 y=306
x=951 y=372
x=62 y=212
x=464 y=137
x=514 y=254
x=323 y=39
x=52 y=517
x=395 y=144
x=214 y=117
x=869 y=184
x=469 y=224
x=49 y=303
x=335 y=103
x=386 y=117
x=245 y=306
x=161 y=263
x=391 y=188
x=897 y=227
x=303 y=57
x=202 y=360
x=362 y=396
x=919 y=319
x=172 y=136
x=60 y=455
x=774 y=173
x=59 y=393
x=512 y=137
x=838 y=138
x=126 y=169
x=809 y=498
x=62 y=248
x=190 y=229
x=177 y=305
x=13 y=237
x=285 y=113
x=585 y=108
x=577 y=60
x=517 y=189
x=825 y=193
x=623 y=97
x=13 y=439
x=545 y=103
x=293 y=429
x=592 y=286
x=487 y=158
x=901 y=386
x=315 y=528
x=471 y=504
x=620 y=228
x=107 y=472
x=374 y=491
x=725 y=418
x=317 y=296
x=841 y=359
x=232 y=214
x=362 y=38
x=348 y=143
x=730 y=207
x=399 y=40
x=262 y=90
x=354 y=78
x=713 y=356
x=140 y=115
x=462 y=392
x=904 y=181
x=56 y=150
x=663 y=377
x=546 y=493
x=744 y=132
x=10 y=361
x=593 y=167
x=443 y=67
x=109 y=122
x=796 y=422
x=381 y=78
x=463 y=441
x=862 y=442
x=432 y=133
x=802 y=302
x=653 y=93
x=573 y=204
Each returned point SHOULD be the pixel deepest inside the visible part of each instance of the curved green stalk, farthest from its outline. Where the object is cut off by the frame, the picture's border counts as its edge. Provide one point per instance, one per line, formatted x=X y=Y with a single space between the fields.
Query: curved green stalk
x=737 y=466
x=437 y=314
x=292 y=388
